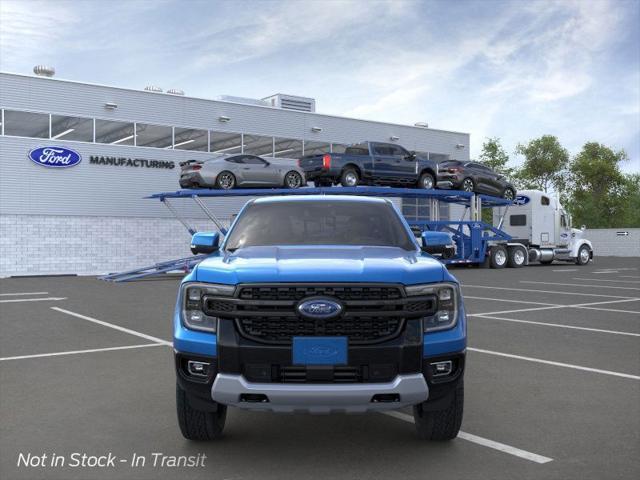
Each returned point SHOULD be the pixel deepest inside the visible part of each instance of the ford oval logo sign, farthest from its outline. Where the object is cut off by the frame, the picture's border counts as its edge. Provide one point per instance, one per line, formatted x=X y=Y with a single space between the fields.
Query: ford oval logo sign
x=55 y=157
x=521 y=200
x=319 y=308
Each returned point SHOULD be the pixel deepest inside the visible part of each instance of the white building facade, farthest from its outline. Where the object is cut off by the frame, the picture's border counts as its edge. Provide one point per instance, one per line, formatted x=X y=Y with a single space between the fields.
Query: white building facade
x=92 y=217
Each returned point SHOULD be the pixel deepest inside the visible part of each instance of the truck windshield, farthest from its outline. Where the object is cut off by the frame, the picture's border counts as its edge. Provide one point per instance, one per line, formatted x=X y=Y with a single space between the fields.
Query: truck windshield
x=322 y=222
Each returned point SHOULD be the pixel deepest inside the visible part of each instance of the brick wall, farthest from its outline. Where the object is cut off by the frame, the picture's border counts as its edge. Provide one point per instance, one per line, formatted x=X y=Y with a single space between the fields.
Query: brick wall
x=42 y=245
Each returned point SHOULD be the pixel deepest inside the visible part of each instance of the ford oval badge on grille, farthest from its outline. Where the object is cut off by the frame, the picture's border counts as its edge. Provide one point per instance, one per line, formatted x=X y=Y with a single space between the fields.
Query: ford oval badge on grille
x=319 y=308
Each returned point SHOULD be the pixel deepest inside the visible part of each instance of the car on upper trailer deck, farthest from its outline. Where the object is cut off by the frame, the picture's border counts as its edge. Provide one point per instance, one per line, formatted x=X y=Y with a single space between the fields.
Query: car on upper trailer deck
x=475 y=177
x=371 y=163
x=244 y=170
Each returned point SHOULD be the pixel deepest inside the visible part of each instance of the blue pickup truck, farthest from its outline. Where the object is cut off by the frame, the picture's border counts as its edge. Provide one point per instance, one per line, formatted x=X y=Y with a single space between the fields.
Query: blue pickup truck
x=319 y=304
x=371 y=163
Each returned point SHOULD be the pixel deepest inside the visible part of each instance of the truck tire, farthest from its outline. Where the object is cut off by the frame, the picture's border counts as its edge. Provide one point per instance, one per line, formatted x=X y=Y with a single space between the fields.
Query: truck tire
x=349 y=178
x=517 y=257
x=197 y=424
x=426 y=181
x=509 y=194
x=584 y=255
x=498 y=257
x=443 y=424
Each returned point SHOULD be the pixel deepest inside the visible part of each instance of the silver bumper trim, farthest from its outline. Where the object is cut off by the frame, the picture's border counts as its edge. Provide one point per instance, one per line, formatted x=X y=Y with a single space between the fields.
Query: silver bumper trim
x=319 y=398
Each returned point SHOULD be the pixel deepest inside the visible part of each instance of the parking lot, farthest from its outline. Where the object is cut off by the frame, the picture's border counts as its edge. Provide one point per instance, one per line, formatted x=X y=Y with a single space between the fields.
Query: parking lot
x=552 y=386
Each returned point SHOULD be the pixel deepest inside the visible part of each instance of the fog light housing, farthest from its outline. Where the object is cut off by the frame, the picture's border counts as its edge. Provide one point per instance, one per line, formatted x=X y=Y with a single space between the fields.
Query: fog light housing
x=198 y=369
x=442 y=369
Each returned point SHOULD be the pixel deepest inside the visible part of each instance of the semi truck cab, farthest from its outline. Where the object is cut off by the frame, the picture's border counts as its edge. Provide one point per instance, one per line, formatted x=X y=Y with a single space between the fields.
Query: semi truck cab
x=539 y=222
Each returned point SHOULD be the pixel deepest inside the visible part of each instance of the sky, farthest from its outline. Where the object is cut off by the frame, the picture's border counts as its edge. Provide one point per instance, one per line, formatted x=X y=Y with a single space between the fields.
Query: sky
x=510 y=69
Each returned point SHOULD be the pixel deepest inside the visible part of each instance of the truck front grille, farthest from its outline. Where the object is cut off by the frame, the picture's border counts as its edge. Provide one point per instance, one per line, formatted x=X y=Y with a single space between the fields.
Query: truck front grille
x=372 y=313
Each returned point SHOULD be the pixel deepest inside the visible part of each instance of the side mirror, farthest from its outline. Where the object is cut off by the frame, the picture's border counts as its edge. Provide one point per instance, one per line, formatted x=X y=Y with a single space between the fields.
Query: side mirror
x=205 y=242
x=438 y=243
x=411 y=156
x=583 y=227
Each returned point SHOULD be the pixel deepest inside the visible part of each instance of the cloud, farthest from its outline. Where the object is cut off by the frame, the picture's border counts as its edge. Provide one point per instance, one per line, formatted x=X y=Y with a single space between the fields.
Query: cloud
x=32 y=28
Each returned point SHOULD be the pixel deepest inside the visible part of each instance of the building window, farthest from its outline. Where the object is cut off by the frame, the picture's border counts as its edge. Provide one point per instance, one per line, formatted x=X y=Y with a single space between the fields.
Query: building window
x=71 y=128
x=316 y=148
x=115 y=133
x=156 y=136
x=227 y=143
x=258 y=145
x=26 y=124
x=287 y=148
x=191 y=139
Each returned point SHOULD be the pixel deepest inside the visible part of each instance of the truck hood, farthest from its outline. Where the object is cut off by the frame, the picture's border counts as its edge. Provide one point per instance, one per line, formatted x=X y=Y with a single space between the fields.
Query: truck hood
x=320 y=264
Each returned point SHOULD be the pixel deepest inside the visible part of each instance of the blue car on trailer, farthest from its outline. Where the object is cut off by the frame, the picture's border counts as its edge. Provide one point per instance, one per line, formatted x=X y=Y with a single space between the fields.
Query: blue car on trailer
x=319 y=304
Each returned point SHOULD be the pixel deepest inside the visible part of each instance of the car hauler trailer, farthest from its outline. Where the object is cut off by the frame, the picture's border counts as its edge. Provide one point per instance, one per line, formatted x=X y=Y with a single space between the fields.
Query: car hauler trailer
x=474 y=242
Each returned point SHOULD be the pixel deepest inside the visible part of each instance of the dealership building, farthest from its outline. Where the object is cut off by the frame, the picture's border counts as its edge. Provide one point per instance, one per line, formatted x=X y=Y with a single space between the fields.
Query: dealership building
x=91 y=217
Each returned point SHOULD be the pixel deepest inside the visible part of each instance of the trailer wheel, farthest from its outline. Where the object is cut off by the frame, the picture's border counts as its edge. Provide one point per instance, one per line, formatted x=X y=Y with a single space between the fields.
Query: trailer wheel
x=517 y=257
x=498 y=257
x=584 y=255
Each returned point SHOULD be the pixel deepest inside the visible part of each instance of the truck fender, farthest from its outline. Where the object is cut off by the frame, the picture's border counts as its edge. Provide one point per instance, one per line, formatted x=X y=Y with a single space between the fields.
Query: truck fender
x=354 y=166
x=578 y=244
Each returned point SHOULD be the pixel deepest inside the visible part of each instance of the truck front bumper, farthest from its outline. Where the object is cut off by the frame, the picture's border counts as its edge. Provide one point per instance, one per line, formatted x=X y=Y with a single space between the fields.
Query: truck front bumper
x=404 y=390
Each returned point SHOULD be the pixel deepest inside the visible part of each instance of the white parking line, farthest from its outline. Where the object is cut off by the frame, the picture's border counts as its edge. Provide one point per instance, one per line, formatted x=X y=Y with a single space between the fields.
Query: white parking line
x=628 y=276
x=559 y=325
x=45 y=299
x=581 y=285
x=22 y=293
x=555 y=364
x=605 y=280
x=511 y=301
x=485 y=442
x=566 y=270
x=75 y=352
x=546 y=291
x=576 y=305
x=115 y=327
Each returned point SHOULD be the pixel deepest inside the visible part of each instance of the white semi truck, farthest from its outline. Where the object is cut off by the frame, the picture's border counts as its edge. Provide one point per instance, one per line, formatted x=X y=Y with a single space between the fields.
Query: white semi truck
x=540 y=231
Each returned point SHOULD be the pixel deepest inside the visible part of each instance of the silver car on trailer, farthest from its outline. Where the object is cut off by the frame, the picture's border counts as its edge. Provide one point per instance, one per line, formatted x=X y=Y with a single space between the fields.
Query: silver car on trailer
x=243 y=170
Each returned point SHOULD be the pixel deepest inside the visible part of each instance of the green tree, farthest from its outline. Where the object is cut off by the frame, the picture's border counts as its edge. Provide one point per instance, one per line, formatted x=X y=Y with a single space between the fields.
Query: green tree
x=494 y=156
x=599 y=194
x=544 y=165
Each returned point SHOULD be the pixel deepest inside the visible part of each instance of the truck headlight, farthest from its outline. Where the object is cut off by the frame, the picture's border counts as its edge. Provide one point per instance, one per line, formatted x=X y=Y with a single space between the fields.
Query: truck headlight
x=193 y=297
x=447 y=295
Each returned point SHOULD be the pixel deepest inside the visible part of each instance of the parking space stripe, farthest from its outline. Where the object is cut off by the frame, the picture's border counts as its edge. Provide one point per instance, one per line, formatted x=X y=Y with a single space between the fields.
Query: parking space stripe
x=527 y=290
x=555 y=364
x=577 y=305
x=76 y=352
x=44 y=299
x=606 y=280
x=581 y=285
x=511 y=301
x=559 y=325
x=22 y=293
x=566 y=270
x=115 y=327
x=485 y=442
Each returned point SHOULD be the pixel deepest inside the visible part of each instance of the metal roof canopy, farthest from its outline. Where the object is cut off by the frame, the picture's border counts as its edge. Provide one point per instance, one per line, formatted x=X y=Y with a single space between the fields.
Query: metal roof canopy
x=449 y=196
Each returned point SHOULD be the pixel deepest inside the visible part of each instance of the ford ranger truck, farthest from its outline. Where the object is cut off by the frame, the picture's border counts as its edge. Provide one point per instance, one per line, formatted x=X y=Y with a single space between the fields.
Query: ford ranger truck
x=371 y=163
x=318 y=304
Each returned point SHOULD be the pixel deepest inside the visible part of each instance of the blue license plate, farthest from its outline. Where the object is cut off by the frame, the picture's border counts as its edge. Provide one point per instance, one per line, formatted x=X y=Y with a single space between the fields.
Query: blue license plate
x=320 y=350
